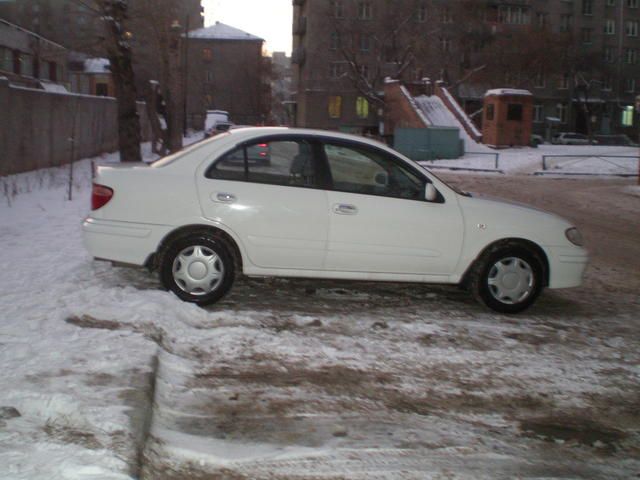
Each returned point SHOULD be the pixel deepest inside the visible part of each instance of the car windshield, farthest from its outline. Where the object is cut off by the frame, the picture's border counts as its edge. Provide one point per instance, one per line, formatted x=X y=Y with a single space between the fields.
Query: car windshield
x=452 y=187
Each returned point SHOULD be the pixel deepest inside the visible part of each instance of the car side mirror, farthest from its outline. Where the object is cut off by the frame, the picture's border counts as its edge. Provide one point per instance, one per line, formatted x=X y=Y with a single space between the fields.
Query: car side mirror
x=382 y=179
x=430 y=193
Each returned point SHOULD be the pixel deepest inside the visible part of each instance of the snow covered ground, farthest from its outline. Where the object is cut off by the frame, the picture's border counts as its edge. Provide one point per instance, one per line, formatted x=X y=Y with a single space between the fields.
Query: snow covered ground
x=105 y=376
x=585 y=159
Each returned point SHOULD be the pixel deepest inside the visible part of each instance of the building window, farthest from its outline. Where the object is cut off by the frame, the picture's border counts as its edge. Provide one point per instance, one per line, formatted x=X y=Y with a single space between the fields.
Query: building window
x=609 y=54
x=513 y=15
x=563 y=82
x=54 y=71
x=335 y=106
x=539 y=81
x=630 y=85
x=365 y=42
x=337 y=8
x=446 y=16
x=631 y=56
x=627 y=116
x=336 y=70
x=421 y=15
x=606 y=83
x=334 y=41
x=6 y=59
x=610 y=27
x=631 y=28
x=102 y=90
x=562 y=110
x=365 y=10
x=566 y=22
x=364 y=72
x=209 y=76
x=26 y=65
x=541 y=19
x=587 y=35
x=587 y=7
x=632 y=3
x=611 y=3
x=445 y=45
x=362 y=107
x=490 y=113
x=514 y=112
x=538 y=113
x=207 y=54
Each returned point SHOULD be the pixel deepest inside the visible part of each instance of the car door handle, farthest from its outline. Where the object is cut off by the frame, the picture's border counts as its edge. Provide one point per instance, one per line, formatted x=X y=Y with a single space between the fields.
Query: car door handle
x=224 y=198
x=345 y=209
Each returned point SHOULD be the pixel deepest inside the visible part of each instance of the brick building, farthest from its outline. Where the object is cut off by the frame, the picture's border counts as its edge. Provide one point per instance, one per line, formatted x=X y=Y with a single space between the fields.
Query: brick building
x=580 y=59
x=233 y=72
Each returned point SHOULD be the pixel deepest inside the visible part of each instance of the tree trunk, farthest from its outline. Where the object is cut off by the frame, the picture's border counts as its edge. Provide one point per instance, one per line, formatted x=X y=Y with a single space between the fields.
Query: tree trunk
x=119 y=53
x=129 y=137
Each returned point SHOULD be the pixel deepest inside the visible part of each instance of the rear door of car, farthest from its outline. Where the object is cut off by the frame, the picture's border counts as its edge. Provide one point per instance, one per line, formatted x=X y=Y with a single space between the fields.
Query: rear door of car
x=380 y=221
x=276 y=207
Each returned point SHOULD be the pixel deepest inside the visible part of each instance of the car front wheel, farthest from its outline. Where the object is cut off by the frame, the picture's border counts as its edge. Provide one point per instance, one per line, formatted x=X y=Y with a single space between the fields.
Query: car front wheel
x=508 y=279
x=197 y=268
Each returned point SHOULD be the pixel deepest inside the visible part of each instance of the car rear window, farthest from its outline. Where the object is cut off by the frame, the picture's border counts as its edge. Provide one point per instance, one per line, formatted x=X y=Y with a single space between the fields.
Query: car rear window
x=164 y=161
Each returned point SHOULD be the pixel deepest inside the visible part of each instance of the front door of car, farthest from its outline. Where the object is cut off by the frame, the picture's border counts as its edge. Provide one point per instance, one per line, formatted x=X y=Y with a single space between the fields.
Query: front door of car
x=380 y=221
x=267 y=193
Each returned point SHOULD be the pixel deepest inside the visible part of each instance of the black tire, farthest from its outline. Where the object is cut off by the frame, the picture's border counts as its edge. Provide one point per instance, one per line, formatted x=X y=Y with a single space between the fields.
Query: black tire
x=197 y=255
x=508 y=279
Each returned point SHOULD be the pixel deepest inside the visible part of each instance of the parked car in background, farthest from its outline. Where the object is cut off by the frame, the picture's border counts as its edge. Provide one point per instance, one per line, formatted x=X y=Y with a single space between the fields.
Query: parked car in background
x=621 y=140
x=329 y=206
x=217 y=121
x=536 y=140
x=571 y=139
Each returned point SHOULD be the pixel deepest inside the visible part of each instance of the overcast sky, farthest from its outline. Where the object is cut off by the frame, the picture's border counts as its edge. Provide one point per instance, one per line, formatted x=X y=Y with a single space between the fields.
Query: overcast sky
x=268 y=19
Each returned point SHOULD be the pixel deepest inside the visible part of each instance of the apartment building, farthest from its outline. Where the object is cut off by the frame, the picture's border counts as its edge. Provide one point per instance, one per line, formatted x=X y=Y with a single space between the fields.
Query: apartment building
x=580 y=58
x=30 y=60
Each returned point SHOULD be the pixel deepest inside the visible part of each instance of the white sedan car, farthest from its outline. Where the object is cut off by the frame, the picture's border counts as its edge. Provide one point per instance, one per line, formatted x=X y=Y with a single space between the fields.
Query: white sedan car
x=326 y=205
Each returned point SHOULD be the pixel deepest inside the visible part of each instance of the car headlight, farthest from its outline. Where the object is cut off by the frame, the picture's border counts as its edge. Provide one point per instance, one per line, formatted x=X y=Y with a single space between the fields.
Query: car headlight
x=574 y=236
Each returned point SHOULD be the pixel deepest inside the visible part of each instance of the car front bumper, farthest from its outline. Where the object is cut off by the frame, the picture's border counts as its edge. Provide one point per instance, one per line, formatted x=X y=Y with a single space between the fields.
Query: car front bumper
x=566 y=266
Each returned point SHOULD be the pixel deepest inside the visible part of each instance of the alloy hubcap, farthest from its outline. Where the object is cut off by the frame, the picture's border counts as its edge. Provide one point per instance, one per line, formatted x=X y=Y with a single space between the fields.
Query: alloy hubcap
x=511 y=280
x=198 y=270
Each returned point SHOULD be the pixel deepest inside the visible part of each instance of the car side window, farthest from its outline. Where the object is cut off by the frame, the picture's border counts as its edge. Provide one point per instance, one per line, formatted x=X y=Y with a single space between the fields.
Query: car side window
x=277 y=162
x=370 y=172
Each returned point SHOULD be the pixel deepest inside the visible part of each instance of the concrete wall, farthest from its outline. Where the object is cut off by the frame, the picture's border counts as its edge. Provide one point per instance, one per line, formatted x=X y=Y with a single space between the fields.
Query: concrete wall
x=35 y=127
x=429 y=143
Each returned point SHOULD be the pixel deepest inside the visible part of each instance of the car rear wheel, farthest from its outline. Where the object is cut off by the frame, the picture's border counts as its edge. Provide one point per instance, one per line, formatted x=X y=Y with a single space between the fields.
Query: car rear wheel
x=508 y=279
x=197 y=268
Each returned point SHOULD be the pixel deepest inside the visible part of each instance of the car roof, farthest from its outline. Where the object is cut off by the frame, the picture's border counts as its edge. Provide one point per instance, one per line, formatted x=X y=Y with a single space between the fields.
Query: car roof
x=247 y=133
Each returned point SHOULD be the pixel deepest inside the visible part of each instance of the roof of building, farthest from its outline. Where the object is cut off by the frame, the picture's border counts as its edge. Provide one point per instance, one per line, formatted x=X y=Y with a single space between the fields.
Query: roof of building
x=221 y=31
x=6 y=24
x=97 y=65
x=508 y=91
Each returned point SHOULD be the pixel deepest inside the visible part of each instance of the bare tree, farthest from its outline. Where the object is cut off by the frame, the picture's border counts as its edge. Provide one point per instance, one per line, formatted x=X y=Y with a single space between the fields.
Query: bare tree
x=116 y=43
x=162 y=25
x=120 y=58
x=387 y=49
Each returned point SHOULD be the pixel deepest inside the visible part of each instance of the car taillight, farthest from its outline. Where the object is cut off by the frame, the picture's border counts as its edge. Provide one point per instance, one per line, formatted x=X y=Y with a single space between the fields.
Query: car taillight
x=263 y=145
x=100 y=195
